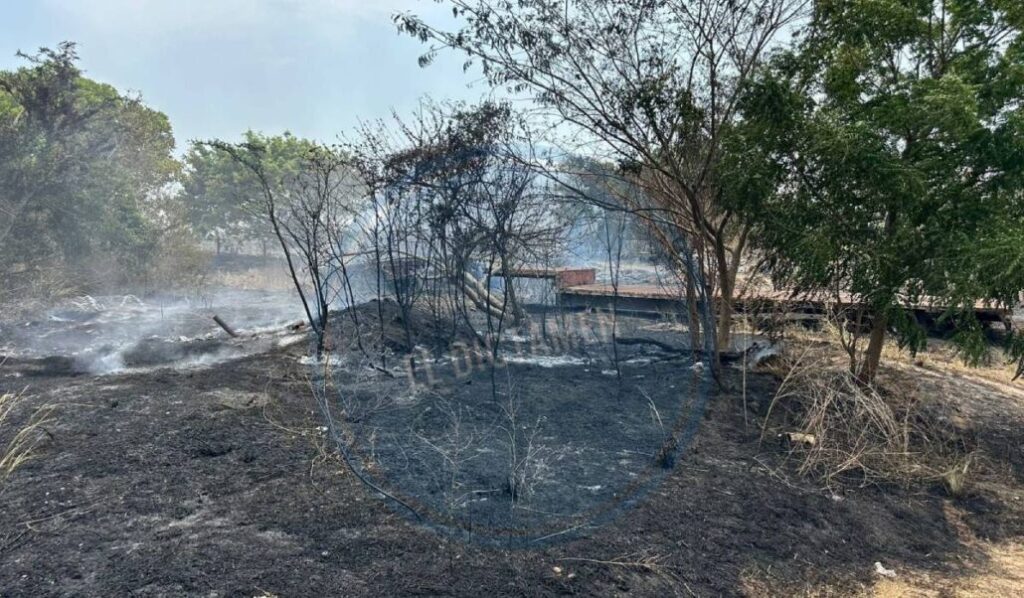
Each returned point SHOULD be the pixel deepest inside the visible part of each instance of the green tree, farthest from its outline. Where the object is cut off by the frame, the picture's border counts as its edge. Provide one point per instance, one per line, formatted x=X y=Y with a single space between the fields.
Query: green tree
x=80 y=165
x=883 y=157
x=223 y=197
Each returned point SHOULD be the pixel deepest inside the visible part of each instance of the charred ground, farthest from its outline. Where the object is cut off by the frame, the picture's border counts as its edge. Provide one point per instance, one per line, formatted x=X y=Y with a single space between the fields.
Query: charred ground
x=219 y=481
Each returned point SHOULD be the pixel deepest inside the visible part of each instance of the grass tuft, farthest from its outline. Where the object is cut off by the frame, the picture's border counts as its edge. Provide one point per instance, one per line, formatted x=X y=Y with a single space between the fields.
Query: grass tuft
x=18 y=442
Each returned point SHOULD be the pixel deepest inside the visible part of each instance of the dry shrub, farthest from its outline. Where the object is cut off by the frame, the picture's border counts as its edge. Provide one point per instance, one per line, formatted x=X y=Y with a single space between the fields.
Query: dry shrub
x=843 y=431
x=23 y=294
x=18 y=442
x=272 y=277
x=179 y=264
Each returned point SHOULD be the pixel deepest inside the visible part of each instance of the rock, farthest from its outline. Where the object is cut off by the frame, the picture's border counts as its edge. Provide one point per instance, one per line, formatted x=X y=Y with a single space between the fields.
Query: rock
x=799 y=438
x=881 y=570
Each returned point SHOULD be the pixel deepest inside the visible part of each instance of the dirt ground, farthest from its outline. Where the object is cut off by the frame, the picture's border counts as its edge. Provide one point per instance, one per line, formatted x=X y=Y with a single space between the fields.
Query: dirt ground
x=218 y=482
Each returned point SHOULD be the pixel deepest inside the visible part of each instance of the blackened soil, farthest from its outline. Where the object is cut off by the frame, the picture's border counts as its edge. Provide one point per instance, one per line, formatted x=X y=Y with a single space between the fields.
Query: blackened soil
x=385 y=325
x=216 y=482
x=525 y=447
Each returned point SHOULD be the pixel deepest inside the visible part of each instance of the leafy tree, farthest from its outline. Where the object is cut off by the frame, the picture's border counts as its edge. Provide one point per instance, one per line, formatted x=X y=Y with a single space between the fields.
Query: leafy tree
x=220 y=193
x=79 y=164
x=883 y=157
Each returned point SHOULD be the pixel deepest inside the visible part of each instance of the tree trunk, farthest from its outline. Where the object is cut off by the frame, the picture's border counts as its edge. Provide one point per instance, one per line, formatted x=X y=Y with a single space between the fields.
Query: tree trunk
x=695 y=324
x=14 y=212
x=321 y=331
x=724 y=338
x=481 y=298
x=518 y=315
x=873 y=354
x=727 y=273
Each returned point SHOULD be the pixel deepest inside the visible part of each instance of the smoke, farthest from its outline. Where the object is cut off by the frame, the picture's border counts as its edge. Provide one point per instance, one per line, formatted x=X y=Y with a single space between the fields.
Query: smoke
x=108 y=334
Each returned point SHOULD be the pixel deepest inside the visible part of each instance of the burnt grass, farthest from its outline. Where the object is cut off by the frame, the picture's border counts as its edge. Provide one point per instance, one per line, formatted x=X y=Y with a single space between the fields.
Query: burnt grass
x=220 y=482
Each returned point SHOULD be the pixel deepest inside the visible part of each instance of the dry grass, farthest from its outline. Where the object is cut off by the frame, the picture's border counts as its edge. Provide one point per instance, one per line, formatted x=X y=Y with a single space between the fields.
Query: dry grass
x=938 y=356
x=22 y=295
x=841 y=430
x=18 y=442
x=997 y=570
x=1000 y=574
x=267 y=278
x=942 y=356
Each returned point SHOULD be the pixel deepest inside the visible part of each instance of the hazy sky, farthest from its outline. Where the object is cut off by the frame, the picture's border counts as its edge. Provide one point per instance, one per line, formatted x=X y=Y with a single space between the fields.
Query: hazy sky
x=218 y=67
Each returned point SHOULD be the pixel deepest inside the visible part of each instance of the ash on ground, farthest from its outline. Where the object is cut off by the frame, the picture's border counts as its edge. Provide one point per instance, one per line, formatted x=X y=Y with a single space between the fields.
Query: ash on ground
x=563 y=423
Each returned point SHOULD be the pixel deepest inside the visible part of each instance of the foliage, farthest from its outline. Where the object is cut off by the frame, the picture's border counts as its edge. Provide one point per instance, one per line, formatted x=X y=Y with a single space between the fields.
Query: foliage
x=883 y=157
x=222 y=197
x=79 y=162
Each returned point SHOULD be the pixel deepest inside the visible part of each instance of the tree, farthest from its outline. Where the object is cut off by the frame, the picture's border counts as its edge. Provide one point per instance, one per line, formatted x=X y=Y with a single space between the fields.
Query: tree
x=651 y=85
x=37 y=112
x=454 y=200
x=79 y=165
x=308 y=213
x=218 y=191
x=884 y=157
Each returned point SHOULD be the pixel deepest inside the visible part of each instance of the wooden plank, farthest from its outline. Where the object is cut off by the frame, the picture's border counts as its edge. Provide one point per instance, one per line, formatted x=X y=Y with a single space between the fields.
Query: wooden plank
x=563 y=277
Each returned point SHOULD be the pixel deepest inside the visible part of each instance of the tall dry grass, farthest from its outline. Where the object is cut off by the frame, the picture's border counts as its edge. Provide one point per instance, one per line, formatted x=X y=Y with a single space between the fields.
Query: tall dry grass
x=22 y=295
x=19 y=440
x=841 y=430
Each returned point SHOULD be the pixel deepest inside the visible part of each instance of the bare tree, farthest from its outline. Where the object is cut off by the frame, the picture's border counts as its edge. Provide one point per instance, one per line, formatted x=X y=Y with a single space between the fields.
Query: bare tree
x=307 y=215
x=456 y=203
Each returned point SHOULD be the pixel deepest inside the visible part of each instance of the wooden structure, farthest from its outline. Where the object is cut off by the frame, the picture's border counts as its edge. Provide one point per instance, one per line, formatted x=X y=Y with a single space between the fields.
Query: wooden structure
x=658 y=299
x=561 y=277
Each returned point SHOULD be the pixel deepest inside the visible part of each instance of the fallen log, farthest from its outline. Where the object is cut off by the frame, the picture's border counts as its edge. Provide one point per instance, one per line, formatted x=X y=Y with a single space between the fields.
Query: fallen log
x=225 y=326
x=724 y=357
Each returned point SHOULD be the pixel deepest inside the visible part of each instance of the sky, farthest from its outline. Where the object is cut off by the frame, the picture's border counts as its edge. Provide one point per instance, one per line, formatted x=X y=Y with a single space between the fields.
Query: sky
x=219 y=67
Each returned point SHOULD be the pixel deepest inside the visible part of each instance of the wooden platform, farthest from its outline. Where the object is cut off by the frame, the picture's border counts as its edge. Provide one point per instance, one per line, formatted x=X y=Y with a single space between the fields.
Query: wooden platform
x=577 y=289
x=660 y=299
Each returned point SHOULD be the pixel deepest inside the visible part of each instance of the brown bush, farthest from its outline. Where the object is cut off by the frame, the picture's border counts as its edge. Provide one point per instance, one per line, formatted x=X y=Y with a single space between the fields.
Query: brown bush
x=843 y=431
